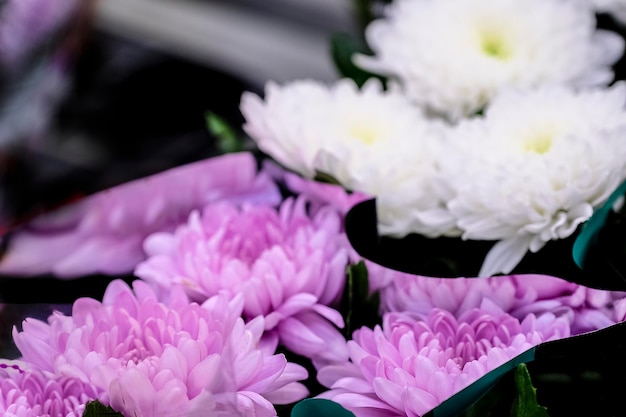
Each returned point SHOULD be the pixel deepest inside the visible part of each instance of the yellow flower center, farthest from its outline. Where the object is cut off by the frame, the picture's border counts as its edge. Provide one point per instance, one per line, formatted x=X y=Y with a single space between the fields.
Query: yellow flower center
x=495 y=43
x=366 y=134
x=540 y=141
x=539 y=144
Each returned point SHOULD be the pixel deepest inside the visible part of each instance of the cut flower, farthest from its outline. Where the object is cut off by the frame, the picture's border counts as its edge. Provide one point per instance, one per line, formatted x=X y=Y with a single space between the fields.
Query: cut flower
x=453 y=56
x=26 y=392
x=586 y=309
x=534 y=168
x=371 y=141
x=409 y=366
x=149 y=359
x=289 y=267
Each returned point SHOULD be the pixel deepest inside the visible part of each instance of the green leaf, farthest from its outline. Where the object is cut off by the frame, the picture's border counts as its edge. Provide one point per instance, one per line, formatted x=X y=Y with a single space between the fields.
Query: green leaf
x=525 y=404
x=343 y=47
x=227 y=139
x=97 y=409
x=357 y=307
x=316 y=407
x=325 y=178
x=496 y=402
x=490 y=396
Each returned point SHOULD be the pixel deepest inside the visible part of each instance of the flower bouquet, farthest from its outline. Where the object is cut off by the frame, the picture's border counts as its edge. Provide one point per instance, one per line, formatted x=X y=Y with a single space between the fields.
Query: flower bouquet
x=438 y=233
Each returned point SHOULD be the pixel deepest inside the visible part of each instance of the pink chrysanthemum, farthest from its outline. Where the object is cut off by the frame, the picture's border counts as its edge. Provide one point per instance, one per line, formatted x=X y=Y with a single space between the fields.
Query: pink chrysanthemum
x=409 y=366
x=519 y=295
x=289 y=267
x=149 y=359
x=25 y=392
x=104 y=232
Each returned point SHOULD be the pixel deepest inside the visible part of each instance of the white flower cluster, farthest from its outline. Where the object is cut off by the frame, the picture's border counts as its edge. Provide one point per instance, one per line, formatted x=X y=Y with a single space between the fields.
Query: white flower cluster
x=453 y=56
x=369 y=140
x=535 y=167
x=497 y=124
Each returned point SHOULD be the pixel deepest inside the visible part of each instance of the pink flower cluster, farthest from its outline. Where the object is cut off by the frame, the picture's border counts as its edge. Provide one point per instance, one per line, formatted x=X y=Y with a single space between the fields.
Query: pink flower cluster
x=26 y=392
x=289 y=267
x=410 y=365
x=228 y=273
x=519 y=295
x=146 y=358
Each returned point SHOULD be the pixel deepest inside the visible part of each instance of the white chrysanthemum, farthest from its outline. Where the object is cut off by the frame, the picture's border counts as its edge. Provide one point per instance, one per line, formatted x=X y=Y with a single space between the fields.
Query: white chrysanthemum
x=453 y=56
x=368 y=139
x=535 y=167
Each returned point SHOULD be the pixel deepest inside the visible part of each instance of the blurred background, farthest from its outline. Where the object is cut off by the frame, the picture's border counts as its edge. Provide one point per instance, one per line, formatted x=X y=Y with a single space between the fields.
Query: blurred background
x=94 y=93
x=251 y=39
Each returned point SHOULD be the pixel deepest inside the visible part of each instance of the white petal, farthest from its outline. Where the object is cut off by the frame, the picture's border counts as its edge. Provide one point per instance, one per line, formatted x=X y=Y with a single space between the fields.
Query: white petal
x=505 y=255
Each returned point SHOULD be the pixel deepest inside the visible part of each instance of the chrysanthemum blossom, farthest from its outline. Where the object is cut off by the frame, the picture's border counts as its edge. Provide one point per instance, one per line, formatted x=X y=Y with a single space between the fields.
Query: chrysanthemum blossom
x=534 y=168
x=295 y=122
x=104 y=233
x=453 y=56
x=25 y=392
x=289 y=267
x=586 y=309
x=150 y=359
x=409 y=366
x=371 y=141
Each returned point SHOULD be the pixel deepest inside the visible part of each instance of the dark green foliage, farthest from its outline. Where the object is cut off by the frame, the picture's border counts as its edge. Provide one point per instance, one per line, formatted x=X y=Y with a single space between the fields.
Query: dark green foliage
x=314 y=407
x=358 y=307
x=513 y=395
x=343 y=48
x=227 y=139
x=325 y=178
x=525 y=403
x=97 y=409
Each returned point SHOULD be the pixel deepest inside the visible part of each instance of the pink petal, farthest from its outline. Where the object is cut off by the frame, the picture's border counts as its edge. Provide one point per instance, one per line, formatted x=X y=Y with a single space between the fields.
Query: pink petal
x=206 y=375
